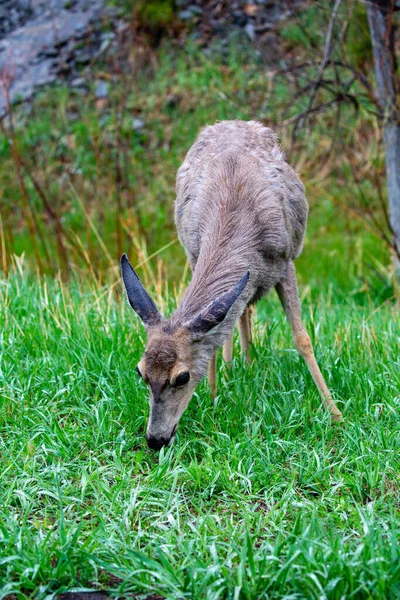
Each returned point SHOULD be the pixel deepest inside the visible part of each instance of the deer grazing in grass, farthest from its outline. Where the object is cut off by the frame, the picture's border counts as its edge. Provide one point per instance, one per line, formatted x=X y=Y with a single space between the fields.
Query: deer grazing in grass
x=241 y=216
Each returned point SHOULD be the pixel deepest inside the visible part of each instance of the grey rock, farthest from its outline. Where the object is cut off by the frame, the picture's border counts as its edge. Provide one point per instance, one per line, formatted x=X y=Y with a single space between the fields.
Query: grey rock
x=83 y=59
x=29 y=46
x=13 y=14
x=50 y=52
x=262 y=28
x=104 y=45
x=186 y=15
x=113 y=11
x=137 y=124
x=250 y=32
x=106 y=40
x=82 y=91
x=122 y=26
x=101 y=90
x=78 y=82
x=239 y=18
x=108 y=35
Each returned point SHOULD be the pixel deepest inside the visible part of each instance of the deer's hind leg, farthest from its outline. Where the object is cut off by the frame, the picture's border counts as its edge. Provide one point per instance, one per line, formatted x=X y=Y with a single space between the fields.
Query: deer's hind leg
x=289 y=297
x=245 y=332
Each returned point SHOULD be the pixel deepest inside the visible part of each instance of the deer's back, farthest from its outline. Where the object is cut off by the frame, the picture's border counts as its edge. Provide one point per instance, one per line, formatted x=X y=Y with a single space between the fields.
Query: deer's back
x=234 y=189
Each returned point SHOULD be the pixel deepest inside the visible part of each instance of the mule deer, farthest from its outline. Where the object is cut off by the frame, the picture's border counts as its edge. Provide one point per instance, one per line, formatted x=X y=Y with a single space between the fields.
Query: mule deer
x=241 y=216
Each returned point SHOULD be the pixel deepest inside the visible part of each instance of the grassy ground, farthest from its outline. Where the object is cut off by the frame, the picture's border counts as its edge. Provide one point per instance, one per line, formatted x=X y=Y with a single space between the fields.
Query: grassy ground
x=259 y=497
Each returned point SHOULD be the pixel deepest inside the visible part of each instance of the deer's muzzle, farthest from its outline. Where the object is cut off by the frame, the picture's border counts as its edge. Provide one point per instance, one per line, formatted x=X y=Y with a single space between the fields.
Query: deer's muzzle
x=157 y=442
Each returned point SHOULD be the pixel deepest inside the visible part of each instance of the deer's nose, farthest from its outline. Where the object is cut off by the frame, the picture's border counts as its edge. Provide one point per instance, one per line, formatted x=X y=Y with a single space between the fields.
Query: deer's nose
x=156 y=443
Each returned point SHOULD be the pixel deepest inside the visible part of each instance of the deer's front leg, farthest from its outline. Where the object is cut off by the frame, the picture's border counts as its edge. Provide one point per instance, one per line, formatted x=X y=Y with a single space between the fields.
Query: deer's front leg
x=245 y=332
x=212 y=375
x=227 y=350
x=289 y=297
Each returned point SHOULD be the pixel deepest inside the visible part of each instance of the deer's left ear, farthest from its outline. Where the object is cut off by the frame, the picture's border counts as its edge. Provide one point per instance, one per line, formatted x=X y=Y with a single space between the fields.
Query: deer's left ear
x=138 y=298
x=216 y=311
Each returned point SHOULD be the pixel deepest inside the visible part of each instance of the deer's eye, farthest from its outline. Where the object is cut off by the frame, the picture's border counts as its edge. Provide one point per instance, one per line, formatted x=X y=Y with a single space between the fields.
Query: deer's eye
x=138 y=372
x=182 y=379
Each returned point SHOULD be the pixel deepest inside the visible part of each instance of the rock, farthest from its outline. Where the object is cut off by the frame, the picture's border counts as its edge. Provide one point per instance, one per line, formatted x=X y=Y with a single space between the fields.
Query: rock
x=196 y=9
x=44 y=40
x=122 y=26
x=137 y=124
x=113 y=11
x=41 y=44
x=83 y=59
x=250 y=32
x=190 y=13
x=185 y=15
x=82 y=91
x=218 y=26
x=239 y=19
x=78 y=82
x=50 y=52
x=108 y=35
x=106 y=40
x=101 y=89
x=80 y=29
x=104 y=45
x=262 y=28
x=13 y=14
x=172 y=100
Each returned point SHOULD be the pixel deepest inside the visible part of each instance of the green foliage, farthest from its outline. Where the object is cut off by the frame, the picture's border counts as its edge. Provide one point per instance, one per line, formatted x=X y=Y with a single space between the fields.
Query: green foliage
x=358 y=43
x=149 y=14
x=155 y=13
x=260 y=496
x=306 y=30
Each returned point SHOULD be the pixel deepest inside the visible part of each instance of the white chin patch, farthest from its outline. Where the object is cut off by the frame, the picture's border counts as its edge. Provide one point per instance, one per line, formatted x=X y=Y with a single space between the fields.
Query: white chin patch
x=171 y=441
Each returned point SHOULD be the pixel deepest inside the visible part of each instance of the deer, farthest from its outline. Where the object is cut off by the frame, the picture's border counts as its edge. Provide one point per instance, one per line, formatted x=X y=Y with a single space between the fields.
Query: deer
x=241 y=216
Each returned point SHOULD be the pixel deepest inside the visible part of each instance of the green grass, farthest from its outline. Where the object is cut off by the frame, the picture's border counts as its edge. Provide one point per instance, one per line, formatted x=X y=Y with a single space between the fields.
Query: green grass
x=260 y=496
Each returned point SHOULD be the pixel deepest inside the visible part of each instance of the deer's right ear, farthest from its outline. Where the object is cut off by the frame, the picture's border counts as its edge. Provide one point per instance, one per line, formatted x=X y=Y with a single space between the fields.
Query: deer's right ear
x=216 y=311
x=138 y=298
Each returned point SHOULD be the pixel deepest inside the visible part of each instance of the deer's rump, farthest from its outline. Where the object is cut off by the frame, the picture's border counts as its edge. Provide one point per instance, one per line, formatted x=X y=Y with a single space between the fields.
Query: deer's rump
x=235 y=188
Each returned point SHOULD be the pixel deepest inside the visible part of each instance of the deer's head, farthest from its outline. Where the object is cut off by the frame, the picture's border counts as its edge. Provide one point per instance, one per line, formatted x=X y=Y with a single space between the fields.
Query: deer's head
x=176 y=354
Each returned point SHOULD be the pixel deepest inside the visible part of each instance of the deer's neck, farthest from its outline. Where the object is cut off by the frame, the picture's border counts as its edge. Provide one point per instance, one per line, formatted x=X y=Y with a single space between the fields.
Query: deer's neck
x=217 y=270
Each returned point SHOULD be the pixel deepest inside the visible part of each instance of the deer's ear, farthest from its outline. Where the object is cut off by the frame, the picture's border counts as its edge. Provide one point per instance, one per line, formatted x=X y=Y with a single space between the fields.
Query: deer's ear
x=138 y=298
x=216 y=311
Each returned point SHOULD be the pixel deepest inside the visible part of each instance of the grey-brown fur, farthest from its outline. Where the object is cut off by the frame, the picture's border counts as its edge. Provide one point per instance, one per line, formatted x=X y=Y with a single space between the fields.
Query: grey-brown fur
x=239 y=207
x=241 y=215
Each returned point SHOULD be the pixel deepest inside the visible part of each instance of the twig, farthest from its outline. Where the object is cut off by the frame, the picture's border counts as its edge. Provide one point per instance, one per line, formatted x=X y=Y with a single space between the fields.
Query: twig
x=324 y=62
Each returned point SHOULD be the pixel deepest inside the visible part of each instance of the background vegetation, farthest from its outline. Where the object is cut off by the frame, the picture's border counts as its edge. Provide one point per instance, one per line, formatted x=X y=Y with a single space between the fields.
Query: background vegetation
x=260 y=496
